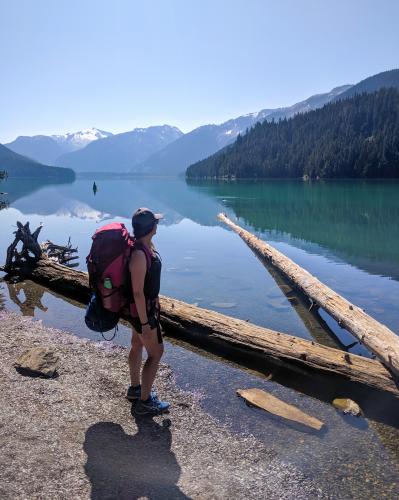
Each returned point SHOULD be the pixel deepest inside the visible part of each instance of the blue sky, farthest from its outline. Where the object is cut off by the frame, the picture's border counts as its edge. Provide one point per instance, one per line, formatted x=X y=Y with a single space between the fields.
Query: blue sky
x=117 y=65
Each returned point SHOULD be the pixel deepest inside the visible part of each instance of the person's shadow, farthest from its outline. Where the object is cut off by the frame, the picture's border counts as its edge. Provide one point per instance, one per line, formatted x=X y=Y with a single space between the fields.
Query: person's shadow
x=124 y=466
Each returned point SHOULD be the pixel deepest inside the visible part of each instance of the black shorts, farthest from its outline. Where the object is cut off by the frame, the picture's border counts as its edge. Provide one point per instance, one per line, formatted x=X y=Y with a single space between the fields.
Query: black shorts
x=153 y=319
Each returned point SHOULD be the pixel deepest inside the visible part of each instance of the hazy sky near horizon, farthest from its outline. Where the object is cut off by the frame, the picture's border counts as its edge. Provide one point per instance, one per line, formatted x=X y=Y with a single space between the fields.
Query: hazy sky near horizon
x=116 y=65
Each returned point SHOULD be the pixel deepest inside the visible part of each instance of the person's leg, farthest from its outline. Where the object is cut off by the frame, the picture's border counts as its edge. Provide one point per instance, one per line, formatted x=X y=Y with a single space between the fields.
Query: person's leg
x=135 y=358
x=154 y=350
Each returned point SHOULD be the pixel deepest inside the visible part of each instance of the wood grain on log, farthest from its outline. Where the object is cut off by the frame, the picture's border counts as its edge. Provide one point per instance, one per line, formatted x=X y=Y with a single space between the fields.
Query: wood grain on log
x=199 y=326
x=382 y=341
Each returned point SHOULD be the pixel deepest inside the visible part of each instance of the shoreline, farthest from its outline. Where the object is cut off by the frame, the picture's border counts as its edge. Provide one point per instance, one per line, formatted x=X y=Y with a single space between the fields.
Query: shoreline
x=74 y=436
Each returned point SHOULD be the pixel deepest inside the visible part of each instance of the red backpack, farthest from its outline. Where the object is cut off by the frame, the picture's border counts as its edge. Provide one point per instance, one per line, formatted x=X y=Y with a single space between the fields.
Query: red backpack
x=108 y=265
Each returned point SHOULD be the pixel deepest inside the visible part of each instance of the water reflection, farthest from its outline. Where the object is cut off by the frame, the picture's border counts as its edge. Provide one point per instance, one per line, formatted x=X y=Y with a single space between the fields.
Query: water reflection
x=3 y=200
x=19 y=188
x=355 y=221
x=316 y=325
x=326 y=225
x=26 y=297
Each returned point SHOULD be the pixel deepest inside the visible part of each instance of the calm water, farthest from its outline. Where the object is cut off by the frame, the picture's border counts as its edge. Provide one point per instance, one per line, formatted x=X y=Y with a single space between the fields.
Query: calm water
x=345 y=233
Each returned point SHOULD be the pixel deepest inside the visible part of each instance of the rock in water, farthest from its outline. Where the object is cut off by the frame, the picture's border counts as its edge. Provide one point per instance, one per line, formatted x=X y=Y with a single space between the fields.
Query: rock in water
x=39 y=360
x=347 y=406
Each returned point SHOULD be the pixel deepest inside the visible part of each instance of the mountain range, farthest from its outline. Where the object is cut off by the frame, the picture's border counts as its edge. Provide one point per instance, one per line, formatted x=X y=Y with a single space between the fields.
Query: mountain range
x=153 y=150
x=120 y=152
x=46 y=149
x=165 y=149
x=357 y=137
x=206 y=140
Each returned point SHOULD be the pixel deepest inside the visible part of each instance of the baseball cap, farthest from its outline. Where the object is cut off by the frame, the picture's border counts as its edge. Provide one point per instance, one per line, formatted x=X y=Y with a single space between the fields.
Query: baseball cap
x=143 y=221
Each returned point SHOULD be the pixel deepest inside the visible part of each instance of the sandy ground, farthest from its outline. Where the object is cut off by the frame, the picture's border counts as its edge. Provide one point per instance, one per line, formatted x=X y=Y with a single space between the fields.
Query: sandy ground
x=75 y=436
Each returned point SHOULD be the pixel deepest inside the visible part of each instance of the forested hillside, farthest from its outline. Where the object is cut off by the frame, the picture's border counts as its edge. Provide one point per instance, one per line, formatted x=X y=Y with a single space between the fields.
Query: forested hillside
x=356 y=137
x=19 y=166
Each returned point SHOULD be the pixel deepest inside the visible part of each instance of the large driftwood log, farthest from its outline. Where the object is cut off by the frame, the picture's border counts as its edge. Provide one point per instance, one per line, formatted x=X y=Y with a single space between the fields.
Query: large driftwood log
x=383 y=342
x=200 y=326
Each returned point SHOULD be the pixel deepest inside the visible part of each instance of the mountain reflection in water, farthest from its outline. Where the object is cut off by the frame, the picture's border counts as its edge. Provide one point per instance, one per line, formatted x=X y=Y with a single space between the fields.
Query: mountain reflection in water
x=356 y=221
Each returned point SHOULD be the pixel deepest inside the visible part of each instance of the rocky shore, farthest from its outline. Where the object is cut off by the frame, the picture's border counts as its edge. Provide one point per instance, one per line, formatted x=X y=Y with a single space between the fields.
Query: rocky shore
x=75 y=436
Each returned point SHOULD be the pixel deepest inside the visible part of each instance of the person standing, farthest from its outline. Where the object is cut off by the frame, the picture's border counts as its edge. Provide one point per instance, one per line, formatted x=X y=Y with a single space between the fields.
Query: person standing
x=145 y=271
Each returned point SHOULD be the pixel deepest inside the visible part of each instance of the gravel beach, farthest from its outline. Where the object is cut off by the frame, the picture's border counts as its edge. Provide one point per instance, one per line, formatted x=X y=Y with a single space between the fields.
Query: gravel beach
x=74 y=436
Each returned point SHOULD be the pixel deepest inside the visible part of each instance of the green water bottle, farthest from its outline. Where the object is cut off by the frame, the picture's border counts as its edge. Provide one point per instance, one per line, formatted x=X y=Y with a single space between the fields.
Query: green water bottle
x=107 y=283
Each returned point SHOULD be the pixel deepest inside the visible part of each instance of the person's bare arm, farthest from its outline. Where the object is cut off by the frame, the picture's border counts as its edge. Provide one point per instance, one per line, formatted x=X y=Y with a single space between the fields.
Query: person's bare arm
x=138 y=269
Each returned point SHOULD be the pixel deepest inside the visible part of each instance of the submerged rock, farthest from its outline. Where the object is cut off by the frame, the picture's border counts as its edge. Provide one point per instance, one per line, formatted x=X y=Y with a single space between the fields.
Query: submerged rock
x=39 y=361
x=347 y=406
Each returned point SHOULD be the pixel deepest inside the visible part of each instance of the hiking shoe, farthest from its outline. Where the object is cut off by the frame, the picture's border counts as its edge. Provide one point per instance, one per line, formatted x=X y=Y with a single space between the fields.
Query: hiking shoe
x=152 y=406
x=134 y=393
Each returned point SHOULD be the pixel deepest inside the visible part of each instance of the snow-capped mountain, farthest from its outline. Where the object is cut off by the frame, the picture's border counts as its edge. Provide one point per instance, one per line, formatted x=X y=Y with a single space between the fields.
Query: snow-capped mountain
x=120 y=152
x=206 y=140
x=78 y=140
x=46 y=149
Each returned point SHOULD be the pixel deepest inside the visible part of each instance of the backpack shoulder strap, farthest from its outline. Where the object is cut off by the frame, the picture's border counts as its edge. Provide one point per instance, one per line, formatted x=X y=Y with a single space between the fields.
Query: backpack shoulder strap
x=147 y=252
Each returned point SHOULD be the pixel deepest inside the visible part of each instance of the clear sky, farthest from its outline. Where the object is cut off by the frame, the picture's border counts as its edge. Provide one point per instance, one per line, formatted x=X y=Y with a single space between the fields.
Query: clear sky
x=121 y=64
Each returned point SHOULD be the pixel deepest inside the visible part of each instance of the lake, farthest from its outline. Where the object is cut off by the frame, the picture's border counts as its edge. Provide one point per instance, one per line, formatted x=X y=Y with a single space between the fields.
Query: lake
x=346 y=233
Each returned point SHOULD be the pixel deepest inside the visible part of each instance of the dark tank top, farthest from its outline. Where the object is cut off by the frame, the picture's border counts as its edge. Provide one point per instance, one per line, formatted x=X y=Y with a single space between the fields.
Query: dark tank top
x=152 y=281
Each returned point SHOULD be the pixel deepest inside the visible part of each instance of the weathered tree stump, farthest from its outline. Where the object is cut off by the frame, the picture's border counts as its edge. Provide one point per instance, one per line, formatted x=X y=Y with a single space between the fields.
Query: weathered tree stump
x=32 y=250
x=29 y=246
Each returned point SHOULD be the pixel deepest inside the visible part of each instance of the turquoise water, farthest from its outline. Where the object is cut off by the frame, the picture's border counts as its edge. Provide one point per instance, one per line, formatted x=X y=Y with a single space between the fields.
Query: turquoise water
x=345 y=233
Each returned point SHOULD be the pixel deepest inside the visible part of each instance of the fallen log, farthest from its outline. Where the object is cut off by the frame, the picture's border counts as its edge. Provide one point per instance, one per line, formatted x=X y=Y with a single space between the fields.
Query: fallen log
x=381 y=341
x=310 y=316
x=201 y=326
